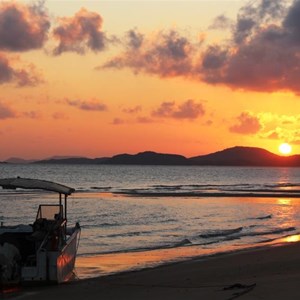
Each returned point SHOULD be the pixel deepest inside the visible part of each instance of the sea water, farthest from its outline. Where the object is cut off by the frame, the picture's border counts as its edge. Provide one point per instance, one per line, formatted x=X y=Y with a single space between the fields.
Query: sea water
x=139 y=216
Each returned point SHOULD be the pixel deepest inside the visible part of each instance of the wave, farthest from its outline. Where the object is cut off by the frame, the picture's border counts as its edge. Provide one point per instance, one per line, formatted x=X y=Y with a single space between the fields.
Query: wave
x=101 y=188
x=183 y=243
x=105 y=224
x=268 y=232
x=236 y=234
x=264 y=217
x=261 y=217
x=168 y=221
x=221 y=233
x=230 y=235
x=215 y=190
x=125 y=234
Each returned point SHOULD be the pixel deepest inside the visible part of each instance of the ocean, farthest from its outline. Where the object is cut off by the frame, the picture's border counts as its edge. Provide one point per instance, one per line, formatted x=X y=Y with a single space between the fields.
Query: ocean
x=134 y=217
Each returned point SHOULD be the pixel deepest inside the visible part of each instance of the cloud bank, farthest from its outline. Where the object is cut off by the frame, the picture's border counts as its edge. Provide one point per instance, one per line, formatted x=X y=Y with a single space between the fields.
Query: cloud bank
x=165 y=54
x=262 y=54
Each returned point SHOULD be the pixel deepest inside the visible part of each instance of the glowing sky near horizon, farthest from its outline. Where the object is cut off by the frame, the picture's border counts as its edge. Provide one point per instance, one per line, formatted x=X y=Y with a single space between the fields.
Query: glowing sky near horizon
x=98 y=78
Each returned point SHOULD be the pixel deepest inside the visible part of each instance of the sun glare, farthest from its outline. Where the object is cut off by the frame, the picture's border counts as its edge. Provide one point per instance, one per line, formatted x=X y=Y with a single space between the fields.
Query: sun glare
x=285 y=148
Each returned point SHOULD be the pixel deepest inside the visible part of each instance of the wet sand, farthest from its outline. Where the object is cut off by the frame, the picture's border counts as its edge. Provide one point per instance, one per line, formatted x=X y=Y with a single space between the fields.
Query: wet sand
x=266 y=273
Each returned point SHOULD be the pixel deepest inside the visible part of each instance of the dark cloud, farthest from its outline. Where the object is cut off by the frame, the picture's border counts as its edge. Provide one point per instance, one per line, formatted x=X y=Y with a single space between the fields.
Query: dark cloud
x=92 y=105
x=187 y=110
x=79 y=33
x=213 y=61
x=246 y=124
x=272 y=9
x=165 y=54
x=22 y=27
x=6 y=71
x=292 y=23
x=252 y=17
x=264 y=55
x=11 y=72
x=243 y=29
x=134 y=39
x=6 y=112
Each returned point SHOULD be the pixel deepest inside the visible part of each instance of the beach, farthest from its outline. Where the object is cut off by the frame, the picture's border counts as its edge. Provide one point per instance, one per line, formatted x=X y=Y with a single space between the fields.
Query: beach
x=260 y=273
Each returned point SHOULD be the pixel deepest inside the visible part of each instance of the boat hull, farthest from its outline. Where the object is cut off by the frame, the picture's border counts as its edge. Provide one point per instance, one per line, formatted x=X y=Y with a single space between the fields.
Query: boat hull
x=64 y=266
x=53 y=266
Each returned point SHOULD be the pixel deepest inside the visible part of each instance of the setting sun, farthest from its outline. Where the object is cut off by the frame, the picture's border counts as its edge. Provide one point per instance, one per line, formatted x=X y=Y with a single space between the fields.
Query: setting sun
x=285 y=148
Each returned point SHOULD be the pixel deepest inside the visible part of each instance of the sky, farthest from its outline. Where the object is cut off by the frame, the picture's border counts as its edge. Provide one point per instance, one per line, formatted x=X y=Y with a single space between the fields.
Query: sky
x=99 y=78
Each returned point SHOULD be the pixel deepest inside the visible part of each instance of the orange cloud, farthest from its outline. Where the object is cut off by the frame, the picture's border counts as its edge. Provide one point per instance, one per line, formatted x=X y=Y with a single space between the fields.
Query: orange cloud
x=6 y=112
x=246 y=124
x=22 y=27
x=32 y=114
x=187 y=110
x=118 y=121
x=26 y=75
x=144 y=120
x=139 y=120
x=132 y=110
x=79 y=33
x=273 y=135
x=92 y=105
x=165 y=54
x=59 y=116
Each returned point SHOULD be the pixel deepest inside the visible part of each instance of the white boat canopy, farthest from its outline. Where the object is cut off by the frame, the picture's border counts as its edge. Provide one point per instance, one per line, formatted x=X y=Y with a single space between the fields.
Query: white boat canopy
x=27 y=183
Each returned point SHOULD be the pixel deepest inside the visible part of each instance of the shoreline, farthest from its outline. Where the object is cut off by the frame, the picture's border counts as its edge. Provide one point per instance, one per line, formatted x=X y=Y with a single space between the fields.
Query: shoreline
x=267 y=272
x=99 y=265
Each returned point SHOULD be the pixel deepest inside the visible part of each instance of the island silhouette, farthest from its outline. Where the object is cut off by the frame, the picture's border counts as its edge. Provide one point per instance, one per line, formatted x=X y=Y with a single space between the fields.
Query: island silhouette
x=235 y=156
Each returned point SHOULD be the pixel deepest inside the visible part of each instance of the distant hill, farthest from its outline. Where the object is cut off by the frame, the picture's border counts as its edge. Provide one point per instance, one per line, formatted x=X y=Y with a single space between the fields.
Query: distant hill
x=73 y=160
x=245 y=156
x=148 y=158
x=235 y=156
x=17 y=160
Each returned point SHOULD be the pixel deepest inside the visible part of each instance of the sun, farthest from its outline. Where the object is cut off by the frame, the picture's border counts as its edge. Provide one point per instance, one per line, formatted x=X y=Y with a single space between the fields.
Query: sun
x=285 y=148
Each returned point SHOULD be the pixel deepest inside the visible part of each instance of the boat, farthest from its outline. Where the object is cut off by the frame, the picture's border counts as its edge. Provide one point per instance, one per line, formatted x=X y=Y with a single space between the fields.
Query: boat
x=44 y=251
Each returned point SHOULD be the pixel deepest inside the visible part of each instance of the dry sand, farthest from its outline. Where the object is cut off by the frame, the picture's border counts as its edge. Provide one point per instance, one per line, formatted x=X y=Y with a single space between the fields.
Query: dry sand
x=268 y=273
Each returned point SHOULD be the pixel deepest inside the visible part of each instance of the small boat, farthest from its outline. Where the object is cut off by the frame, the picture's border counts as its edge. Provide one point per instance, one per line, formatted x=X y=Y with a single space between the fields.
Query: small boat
x=42 y=252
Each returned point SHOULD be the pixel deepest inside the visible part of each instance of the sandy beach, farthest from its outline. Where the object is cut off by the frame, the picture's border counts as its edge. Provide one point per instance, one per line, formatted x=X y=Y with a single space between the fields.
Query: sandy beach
x=265 y=273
